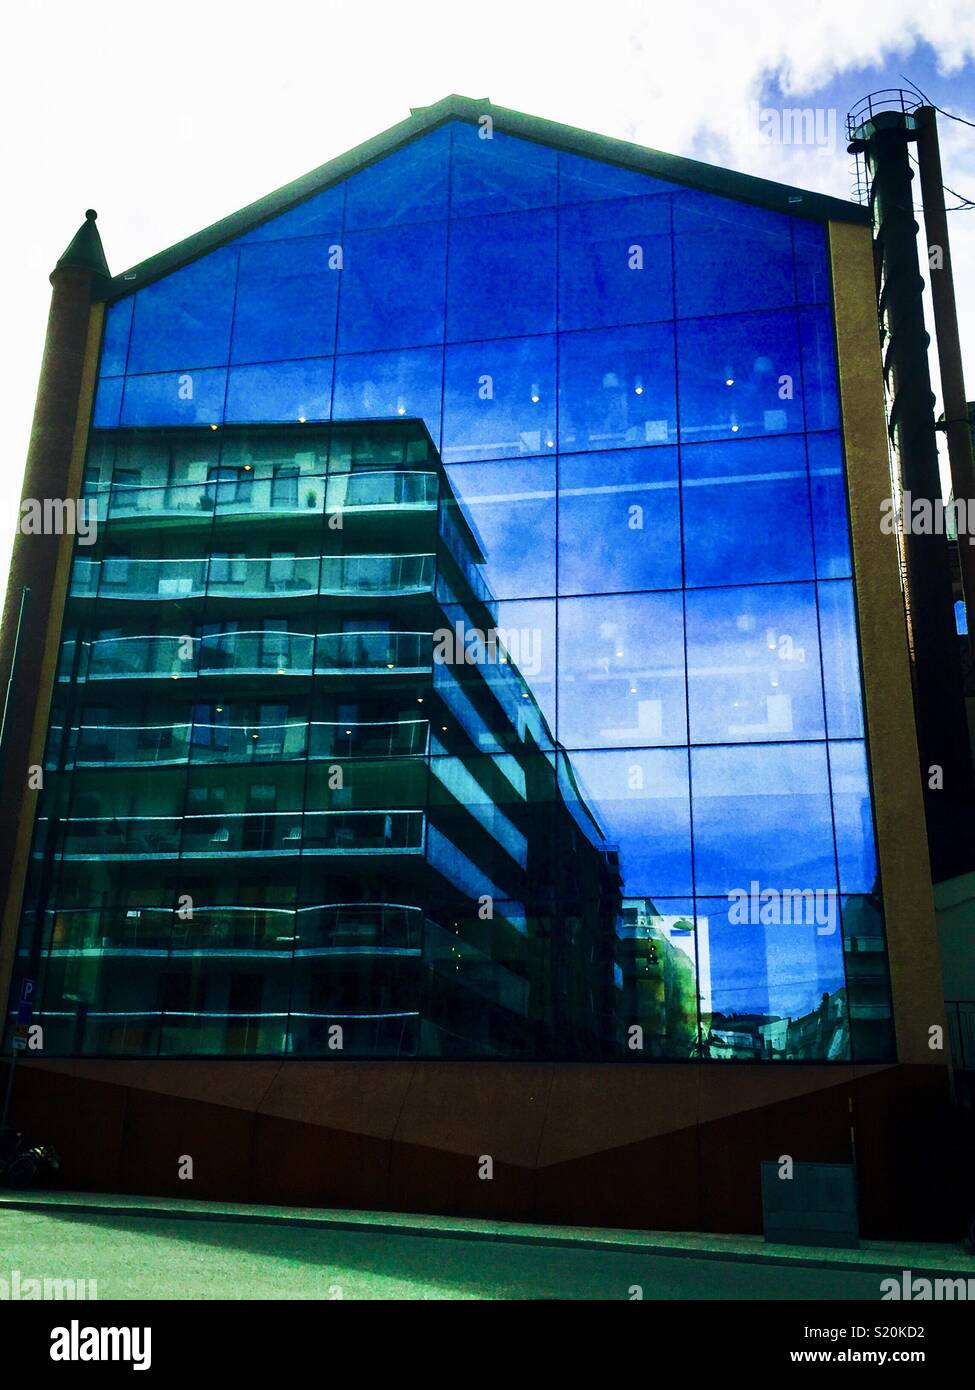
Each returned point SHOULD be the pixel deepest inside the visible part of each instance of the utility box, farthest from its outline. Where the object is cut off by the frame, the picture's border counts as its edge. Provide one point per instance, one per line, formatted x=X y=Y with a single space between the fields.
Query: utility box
x=817 y=1205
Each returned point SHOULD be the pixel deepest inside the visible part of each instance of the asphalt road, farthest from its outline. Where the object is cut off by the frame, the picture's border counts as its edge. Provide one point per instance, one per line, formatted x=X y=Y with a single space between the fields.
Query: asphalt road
x=144 y=1257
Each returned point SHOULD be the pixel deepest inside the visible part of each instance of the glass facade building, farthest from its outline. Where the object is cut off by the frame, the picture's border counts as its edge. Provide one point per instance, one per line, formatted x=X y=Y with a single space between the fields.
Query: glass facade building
x=467 y=663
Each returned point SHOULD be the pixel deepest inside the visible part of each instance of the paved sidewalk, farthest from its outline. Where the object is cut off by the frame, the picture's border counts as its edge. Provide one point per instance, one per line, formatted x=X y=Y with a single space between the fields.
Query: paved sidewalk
x=872 y=1256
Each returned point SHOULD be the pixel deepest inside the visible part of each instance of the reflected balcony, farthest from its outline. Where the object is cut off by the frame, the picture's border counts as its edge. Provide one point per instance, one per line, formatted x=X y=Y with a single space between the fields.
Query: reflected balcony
x=381 y=490
x=257 y=653
x=242 y=834
x=164 y=745
x=363 y=832
x=238 y=577
x=199 y=502
x=129 y=658
x=359 y=929
x=382 y=575
x=112 y=837
x=137 y=745
x=373 y=653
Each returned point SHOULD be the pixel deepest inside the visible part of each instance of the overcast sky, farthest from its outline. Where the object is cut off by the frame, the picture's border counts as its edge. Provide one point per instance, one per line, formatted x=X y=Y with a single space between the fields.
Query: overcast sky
x=167 y=117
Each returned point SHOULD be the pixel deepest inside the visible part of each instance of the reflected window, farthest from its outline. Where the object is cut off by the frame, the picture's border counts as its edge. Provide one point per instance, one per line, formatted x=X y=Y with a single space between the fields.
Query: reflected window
x=619 y=522
x=753 y=671
x=853 y=816
x=621 y=671
x=841 y=665
x=499 y=399
x=749 y=804
x=739 y=376
x=389 y=386
x=640 y=800
x=511 y=507
x=725 y=487
x=616 y=388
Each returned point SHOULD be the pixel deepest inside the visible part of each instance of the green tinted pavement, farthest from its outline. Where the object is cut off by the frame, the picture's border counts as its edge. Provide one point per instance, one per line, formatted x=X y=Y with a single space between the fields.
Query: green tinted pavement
x=201 y=1250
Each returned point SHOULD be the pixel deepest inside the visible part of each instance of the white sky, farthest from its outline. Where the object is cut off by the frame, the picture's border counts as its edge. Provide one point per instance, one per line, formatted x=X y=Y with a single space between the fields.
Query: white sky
x=166 y=117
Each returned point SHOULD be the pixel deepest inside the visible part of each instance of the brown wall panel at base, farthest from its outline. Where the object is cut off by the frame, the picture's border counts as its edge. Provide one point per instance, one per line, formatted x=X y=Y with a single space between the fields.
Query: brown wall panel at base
x=575 y=1144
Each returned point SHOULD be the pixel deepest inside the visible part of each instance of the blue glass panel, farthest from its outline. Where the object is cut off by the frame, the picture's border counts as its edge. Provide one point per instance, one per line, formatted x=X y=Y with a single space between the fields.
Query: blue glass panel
x=812 y=262
x=616 y=388
x=763 y=814
x=115 y=341
x=621 y=671
x=830 y=525
x=408 y=186
x=583 y=180
x=183 y=321
x=175 y=398
x=488 y=257
x=393 y=288
x=762 y=996
x=499 y=399
x=108 y=402
x=387 y=385
x=286 y=298
x=739 y=376
x=819 y=384
x=853 y=817
x=841 y=665
x=615 y=263
x=320 y=215
x=619 y=521
x=730 y=256
x=641 y=801
x=961 y=617
x=280 y=391
x=528 y=629
x=753 y=664
x=512 y=508
x=725 y=487
x=500 y=173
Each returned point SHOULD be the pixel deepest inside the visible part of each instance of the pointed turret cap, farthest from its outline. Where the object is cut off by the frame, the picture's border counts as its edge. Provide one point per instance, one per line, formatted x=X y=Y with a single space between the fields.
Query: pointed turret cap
x=85 y=251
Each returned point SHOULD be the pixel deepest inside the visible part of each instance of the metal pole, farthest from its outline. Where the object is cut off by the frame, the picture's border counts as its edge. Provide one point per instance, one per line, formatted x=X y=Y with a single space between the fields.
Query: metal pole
x=956 y=425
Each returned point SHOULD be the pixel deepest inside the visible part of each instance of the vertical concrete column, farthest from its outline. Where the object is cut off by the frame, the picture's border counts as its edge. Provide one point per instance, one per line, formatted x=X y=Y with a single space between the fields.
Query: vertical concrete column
x=42 y=561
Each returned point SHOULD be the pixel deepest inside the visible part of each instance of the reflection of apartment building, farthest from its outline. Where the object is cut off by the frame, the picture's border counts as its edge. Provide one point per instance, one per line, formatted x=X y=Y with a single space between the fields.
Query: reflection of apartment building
x=272 y=822
x=269 y=812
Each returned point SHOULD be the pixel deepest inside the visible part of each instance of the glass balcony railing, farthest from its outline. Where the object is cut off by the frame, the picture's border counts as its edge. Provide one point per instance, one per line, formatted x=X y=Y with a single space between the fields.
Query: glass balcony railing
x=257 y=653
x=128 y=658
x=245 y=495
x=325 y=928
x=358 y=927
x=378 y=574
x=374 y=490
x=158 y=745
x=153 y=745
x=292 y=494
x=290 y=576
x=338 y=652
x=261 y=653
x=264 y=833
x=110 y=837
x=362 y=832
